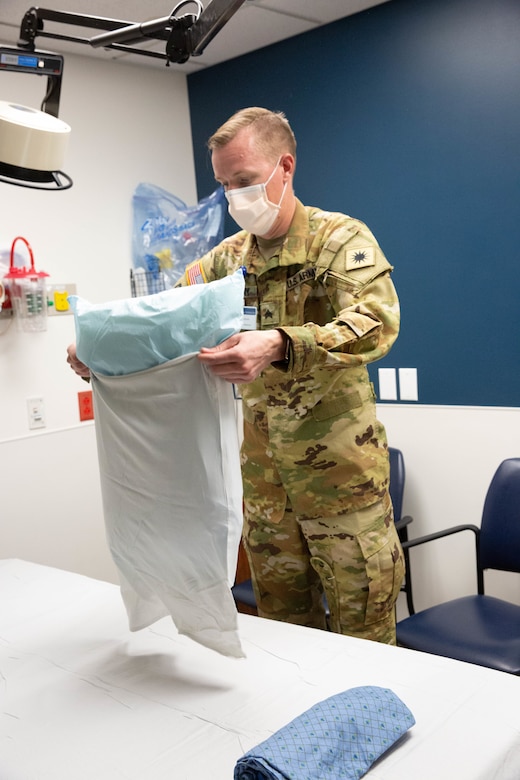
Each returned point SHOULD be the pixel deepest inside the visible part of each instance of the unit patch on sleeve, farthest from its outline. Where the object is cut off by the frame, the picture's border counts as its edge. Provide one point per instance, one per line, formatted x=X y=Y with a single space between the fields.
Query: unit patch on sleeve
x=361 y=257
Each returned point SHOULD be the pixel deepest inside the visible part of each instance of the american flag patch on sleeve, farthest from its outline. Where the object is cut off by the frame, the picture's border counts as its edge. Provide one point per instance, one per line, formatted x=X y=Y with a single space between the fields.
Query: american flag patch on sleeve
x=195 y=274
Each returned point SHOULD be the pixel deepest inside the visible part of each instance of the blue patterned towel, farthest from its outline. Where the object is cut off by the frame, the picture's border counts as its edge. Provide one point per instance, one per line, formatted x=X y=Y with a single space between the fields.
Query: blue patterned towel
x=339 y=737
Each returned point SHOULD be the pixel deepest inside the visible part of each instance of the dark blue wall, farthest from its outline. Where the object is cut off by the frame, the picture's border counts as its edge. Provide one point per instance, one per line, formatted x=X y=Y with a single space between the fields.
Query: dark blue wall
x=408 y=117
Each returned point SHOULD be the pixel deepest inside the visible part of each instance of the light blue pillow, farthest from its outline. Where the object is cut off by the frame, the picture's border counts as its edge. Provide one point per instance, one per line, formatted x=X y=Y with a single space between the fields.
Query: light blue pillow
x=133 y=334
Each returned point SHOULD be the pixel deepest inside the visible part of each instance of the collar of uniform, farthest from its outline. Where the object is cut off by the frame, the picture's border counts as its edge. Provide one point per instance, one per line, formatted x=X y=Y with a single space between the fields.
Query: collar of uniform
x=293 y=250
x=296 y=243
x=269 y=247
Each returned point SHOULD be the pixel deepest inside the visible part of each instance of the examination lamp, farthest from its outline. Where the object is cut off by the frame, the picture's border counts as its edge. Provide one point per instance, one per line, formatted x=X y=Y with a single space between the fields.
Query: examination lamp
x=33 y=143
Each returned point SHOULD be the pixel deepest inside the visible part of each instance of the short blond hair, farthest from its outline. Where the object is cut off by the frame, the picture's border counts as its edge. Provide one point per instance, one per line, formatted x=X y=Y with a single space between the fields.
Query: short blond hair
x=273 y=133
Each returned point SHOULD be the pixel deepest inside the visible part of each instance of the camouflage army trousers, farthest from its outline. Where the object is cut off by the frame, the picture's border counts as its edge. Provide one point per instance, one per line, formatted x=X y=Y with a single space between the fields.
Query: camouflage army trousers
x=355 y=560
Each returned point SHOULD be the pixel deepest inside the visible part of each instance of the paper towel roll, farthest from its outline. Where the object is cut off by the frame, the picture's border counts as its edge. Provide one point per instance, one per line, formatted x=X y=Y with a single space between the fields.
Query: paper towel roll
x=31 y=139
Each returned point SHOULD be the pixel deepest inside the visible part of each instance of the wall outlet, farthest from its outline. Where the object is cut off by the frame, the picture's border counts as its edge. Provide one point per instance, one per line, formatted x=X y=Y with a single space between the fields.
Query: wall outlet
x=86 y=405
x=387 y=384
x=408 y=384
x=36 y=413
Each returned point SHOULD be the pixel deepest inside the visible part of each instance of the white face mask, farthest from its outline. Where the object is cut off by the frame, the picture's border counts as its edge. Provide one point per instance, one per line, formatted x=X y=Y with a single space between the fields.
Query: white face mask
x=251 y=208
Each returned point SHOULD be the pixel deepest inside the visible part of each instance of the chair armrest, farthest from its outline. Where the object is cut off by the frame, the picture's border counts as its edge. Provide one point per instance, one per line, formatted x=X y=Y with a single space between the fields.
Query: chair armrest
x=403 y=522
x=455 y=529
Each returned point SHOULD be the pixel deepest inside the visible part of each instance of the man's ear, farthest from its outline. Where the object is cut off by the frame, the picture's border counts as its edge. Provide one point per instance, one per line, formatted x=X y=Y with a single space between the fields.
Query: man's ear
x=288 y=163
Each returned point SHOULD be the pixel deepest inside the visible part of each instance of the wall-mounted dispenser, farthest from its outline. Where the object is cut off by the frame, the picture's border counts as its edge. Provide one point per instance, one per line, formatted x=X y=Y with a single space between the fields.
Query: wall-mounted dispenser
x=27 y=291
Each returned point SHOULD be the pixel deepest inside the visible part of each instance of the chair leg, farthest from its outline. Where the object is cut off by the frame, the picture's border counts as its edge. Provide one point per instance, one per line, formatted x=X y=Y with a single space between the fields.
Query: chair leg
x=408 y=584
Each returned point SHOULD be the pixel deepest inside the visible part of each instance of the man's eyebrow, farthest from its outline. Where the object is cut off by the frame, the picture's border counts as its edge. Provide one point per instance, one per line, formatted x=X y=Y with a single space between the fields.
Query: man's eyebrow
x=236 y=175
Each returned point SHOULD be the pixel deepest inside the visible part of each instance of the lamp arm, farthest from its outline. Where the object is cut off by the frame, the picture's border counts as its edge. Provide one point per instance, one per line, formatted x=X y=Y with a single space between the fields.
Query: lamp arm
x=185 y=36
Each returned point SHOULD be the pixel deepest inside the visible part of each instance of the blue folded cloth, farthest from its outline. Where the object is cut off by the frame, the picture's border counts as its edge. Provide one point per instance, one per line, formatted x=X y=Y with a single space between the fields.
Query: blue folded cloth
x=339 y=737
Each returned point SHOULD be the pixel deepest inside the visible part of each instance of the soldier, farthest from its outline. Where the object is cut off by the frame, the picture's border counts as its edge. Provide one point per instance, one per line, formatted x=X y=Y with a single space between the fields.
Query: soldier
x=314 y=457
x=320 y=306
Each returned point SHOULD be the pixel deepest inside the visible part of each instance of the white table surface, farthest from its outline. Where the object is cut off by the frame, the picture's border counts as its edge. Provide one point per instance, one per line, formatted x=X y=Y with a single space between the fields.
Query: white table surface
x=81 y=698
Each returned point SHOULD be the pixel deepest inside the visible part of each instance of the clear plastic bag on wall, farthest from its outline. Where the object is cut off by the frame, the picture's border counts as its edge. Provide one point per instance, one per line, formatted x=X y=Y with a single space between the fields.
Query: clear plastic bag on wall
x=167 y=234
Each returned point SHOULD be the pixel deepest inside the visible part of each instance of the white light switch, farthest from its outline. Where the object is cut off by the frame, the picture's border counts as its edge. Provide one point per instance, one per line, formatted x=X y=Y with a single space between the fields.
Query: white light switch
x=408 y=384
x=387 y=384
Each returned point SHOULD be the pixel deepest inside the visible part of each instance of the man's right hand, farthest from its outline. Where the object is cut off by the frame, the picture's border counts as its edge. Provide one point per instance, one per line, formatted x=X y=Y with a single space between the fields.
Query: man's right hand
x=77 y=366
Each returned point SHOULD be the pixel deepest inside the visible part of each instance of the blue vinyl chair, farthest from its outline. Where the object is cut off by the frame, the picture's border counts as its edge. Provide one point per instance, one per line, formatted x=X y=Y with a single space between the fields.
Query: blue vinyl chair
x=243 y=591
x=479 y=629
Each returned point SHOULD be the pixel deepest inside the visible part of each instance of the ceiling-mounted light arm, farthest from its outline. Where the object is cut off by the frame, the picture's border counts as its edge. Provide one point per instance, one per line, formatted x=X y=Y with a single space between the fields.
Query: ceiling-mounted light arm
x=132 y=33
x=190 y=35
x=32 y=26
x=210 y=22
x=185 y=36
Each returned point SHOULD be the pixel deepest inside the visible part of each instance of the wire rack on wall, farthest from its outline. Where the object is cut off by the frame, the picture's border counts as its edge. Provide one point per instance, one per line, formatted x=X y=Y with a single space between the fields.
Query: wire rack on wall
x=147 y=282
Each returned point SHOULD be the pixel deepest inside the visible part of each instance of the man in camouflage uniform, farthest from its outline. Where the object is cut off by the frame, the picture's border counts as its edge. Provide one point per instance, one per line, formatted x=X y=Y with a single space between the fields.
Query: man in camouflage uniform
x=317 y=509
x=318 y=515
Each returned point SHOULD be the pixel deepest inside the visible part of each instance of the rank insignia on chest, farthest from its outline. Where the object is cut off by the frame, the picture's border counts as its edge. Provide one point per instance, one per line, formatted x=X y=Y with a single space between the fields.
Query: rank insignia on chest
x=360 y=257
x=270 y=313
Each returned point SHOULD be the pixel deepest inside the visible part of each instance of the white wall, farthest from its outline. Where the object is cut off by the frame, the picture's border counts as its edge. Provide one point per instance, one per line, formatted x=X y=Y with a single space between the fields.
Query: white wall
x=129 y=125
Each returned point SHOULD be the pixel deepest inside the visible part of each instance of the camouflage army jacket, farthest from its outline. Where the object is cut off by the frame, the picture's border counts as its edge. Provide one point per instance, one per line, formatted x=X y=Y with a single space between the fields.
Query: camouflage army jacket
x=329 y=290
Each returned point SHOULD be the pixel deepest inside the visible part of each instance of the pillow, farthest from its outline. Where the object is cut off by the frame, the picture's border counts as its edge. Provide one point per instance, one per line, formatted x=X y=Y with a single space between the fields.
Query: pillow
x=339 y=737
x=133 y=334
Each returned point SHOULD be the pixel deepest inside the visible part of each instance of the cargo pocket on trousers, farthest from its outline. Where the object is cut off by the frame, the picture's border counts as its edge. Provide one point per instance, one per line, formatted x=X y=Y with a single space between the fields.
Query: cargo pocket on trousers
x=384 y=568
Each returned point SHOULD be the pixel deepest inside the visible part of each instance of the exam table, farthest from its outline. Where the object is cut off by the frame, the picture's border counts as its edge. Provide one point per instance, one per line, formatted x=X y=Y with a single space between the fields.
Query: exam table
x=82 y=698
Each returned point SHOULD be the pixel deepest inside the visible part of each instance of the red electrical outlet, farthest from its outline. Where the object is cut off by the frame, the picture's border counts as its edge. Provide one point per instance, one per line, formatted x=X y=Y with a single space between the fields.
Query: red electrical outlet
x=86 y=406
